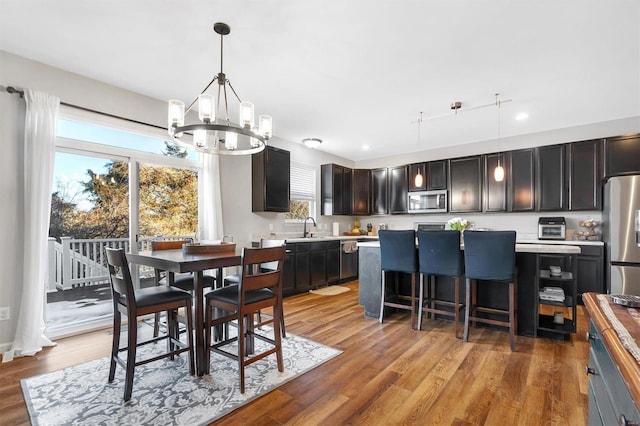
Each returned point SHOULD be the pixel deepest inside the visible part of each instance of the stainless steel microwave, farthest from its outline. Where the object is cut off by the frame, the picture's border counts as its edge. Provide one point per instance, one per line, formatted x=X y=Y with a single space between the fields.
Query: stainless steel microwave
x=428 y=202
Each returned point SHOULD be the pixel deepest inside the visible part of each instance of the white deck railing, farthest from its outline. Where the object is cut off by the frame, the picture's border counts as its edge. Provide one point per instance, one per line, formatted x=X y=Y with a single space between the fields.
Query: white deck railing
x=82 y=262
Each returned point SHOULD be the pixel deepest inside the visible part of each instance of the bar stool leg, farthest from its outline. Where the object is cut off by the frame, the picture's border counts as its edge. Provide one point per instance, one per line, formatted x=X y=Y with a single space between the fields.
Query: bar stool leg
x=413 y=300
x=456 y=305
x=512 y=316
x=420 y=302
x=467 y=308
x=382 y=298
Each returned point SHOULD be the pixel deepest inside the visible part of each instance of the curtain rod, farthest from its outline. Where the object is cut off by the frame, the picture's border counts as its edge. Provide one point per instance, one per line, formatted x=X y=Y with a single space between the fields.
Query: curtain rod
x=20 y=92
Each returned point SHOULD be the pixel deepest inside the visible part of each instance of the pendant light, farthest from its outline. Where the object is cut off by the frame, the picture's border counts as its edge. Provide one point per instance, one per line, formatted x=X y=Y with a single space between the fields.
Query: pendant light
x=418 y=180
x=498 y=172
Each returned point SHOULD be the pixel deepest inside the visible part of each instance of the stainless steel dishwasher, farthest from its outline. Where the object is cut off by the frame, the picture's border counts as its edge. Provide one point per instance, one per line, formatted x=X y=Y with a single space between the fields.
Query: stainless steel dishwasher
x=348 y=259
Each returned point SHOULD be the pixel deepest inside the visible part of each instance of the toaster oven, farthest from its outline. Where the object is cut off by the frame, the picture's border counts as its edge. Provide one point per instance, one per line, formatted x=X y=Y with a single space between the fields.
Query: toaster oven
x=552 y=228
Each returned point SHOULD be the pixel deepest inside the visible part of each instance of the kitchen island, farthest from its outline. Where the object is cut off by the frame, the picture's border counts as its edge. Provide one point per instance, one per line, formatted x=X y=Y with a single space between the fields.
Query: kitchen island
x=527 y=261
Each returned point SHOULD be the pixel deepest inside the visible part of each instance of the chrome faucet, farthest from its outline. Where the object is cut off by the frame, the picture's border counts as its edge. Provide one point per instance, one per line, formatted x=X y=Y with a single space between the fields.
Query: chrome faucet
x=304 y=233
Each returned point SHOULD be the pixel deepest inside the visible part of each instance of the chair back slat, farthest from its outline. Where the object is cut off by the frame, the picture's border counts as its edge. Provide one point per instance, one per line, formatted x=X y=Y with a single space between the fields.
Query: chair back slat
x=439 y=253
x=398 y=251
x=255 y=278
x=120 y=275
x=490 y=255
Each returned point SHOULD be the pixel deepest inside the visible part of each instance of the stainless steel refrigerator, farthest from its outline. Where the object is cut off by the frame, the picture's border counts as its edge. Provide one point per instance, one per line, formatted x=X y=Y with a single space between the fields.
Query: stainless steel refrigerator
x=621 y=232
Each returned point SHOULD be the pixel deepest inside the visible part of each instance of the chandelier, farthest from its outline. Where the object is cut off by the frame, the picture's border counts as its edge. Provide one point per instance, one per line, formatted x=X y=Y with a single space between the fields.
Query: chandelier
x=215 y=134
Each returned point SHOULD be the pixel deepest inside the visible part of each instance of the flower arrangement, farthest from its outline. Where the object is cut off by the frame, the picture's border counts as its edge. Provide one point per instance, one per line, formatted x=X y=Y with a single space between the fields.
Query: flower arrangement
x=457 y=224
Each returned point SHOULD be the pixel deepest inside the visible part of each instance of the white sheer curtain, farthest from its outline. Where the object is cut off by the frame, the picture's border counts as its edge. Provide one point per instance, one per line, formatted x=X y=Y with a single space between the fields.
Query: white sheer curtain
x=210 y=199
x=39 y=154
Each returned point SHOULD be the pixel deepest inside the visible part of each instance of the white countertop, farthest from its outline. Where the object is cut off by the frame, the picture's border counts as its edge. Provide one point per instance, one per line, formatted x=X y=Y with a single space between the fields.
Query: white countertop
x=520 y=247
x=329 y=238
x=562 y=242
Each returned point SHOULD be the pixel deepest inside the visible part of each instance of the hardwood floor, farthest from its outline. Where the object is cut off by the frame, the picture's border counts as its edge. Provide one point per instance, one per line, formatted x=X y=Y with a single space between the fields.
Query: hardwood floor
x=388 y=373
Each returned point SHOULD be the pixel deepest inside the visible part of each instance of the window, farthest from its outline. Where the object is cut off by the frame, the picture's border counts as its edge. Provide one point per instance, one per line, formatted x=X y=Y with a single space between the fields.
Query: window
x=303 y=192
x=116 y=184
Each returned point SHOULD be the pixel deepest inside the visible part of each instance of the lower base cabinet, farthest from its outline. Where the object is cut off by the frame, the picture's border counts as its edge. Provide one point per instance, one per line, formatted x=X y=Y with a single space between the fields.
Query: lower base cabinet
x=609 y=399
x=590 y=270
x=309 y=265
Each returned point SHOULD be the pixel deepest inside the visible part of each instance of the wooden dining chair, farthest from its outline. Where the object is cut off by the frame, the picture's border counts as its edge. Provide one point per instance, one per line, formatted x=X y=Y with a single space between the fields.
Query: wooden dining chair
x=258 y=289
x=135 y=303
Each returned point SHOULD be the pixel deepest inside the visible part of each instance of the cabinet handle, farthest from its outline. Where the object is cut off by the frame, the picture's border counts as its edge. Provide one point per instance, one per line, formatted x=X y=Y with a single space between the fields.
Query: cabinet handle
x=590 y=336
x=589 y=370
x=624 y=422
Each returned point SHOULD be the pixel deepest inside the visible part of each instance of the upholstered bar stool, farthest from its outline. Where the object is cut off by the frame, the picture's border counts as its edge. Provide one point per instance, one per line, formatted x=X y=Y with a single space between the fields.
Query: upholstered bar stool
x=490 y=256
x=398 y=254
x=439 y=255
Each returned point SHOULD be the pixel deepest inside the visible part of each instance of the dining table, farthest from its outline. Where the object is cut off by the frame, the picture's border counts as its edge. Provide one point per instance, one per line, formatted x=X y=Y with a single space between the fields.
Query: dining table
x=178 y=261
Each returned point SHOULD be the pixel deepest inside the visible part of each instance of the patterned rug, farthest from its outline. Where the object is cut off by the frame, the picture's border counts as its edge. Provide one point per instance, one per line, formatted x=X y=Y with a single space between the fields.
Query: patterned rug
x=163 y=391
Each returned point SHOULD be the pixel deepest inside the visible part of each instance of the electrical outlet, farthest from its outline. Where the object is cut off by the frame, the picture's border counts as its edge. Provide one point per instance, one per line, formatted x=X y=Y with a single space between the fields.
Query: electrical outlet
x=5 y=313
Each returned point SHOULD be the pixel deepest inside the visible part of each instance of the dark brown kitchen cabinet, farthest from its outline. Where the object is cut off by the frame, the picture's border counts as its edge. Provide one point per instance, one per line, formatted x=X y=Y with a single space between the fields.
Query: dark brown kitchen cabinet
x=622 y=155
x=437 y=175
x=379 y=192
x=318 y=264
x=415 y=170
x=333 y=261
x=585 y=177
x=303 y=267
x=552 y=184
x=465 y=183
x=398 y=189
x=336 y=186
x=270 y=180
x=590 y=270
x=361 y=192
x=289 y=271
x=521 y=180
x=495 y=193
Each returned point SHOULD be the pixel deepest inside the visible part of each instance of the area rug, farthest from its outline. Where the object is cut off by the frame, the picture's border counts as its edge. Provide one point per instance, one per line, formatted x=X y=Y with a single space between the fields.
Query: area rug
x=163 y=391
x=332 y=290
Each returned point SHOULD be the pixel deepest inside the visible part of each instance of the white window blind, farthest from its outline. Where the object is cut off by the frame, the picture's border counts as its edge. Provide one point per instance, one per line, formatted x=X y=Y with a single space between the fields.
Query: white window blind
x=303 y=182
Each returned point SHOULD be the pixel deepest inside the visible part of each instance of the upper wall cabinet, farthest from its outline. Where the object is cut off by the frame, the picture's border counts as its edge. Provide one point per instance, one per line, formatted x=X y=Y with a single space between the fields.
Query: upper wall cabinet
x=398 y=188
x=586 y=173
x=552 y=182
x=465 y=183
x=437 y=175
x=495 y=193
x=521 y=180
x=361 y=193
x=336 y=187
x=270 y=180
x=415 y=170
x=622 y=155
x=379 y=192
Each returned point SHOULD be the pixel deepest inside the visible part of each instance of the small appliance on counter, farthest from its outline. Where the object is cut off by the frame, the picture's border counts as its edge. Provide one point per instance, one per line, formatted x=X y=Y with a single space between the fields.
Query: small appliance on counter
x=552 y=228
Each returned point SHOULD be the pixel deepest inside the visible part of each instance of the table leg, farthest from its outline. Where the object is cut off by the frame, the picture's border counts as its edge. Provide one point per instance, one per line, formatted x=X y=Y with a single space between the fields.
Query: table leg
x=201 y=358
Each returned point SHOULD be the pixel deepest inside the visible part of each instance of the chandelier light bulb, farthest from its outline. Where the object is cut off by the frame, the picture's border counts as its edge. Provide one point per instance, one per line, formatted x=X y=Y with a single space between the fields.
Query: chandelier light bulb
x=246 y=115
x=176 y=113
x=206 y=108
x=200 y=138
x=231 y=141
x=265 y=126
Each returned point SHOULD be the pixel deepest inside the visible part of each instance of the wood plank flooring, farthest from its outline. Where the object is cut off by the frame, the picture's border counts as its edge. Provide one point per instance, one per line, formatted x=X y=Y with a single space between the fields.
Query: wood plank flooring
x=388 y=373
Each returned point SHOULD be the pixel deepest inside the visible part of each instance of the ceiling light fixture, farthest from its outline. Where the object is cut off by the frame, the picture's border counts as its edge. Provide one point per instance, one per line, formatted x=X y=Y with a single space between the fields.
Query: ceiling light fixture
x=312 y=143
x=216 y=135
x=457 y=107
x=498 y=172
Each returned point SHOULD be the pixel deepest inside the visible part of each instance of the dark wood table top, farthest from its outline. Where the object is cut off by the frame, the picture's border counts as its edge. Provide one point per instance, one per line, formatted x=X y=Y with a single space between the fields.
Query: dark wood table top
x=179 y=262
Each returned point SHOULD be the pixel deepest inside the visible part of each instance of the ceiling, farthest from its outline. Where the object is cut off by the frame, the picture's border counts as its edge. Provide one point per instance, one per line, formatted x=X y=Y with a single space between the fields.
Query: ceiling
x=357 y=72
